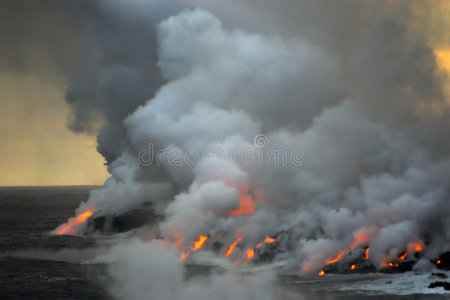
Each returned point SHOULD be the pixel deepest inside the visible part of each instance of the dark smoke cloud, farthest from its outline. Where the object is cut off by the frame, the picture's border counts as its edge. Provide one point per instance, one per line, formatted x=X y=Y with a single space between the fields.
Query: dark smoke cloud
x=39 y=34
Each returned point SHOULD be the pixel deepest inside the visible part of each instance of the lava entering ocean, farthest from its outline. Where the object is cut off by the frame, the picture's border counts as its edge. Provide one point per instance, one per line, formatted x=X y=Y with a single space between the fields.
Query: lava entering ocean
x=70 y=228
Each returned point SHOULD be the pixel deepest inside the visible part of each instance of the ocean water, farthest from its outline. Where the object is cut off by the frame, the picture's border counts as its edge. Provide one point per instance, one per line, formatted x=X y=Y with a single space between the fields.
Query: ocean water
x=27 y=215
x=35 y=264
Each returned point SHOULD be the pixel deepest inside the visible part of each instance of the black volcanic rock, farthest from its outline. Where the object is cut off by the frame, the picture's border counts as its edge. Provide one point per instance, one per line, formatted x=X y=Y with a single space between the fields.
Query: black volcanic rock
x=133 y=219
x=445 y=285
x=125 y=221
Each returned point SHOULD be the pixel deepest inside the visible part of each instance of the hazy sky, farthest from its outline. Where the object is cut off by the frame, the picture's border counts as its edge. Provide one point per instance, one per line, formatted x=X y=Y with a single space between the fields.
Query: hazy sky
x=36 y=147
x=38 y=45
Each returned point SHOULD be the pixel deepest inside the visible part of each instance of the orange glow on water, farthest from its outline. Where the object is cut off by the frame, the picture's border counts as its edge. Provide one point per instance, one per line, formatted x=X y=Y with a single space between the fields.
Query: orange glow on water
x=71 y=226
x=231 y=247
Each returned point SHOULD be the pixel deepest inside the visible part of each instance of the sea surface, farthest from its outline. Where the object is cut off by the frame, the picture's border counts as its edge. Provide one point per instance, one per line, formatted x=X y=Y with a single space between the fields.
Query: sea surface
x=34 y=264
x=27 y=216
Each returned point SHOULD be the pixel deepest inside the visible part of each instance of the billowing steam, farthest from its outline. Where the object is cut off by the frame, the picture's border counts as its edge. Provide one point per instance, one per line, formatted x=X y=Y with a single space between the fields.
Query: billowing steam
x=353 y=161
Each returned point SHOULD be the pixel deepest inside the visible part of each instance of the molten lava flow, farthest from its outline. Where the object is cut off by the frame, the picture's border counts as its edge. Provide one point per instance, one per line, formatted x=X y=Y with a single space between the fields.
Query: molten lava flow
x=321 y=273
x=403 y=256
x=269 y=240
x=250 y=253
x=246 y=205
x=417 y=246
x=352 y=267
x=184 y=255
x=358 y=237
x=335 y=259
x=366 y=253
x=383 y=264
x=392 y=265
x=438 y=262
x=71 y=225
x=231 y=247
x=198 y=244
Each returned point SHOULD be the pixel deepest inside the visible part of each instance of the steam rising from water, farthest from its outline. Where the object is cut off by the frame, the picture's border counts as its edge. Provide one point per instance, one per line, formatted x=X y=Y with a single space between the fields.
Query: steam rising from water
x=377 y=153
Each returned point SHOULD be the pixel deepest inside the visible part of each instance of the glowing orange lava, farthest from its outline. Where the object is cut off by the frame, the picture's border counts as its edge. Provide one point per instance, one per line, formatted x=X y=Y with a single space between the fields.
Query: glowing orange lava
x=403 y=256
x=269 y=240
x=389 y=264
x=246 y=205
x=417 y=246
x=358 y=237
x=366 y=253
x=438 y=262
x=70 y=227
x=335 y=259
x=321 y=273
x=184 y=255
x=352 y=267
x=198 y=244
x=231 y=247
x=250 y=253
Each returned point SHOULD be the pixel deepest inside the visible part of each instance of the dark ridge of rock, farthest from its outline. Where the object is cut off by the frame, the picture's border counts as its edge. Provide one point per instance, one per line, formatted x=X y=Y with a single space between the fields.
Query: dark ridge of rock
x=439 y=275
x=117 y=223
x=266 y=253
x=99 y=222
x=444 y=259
x=345 y=267
x=133 y=219
x=445 y=285
x=403 y=266
x=217 y=247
